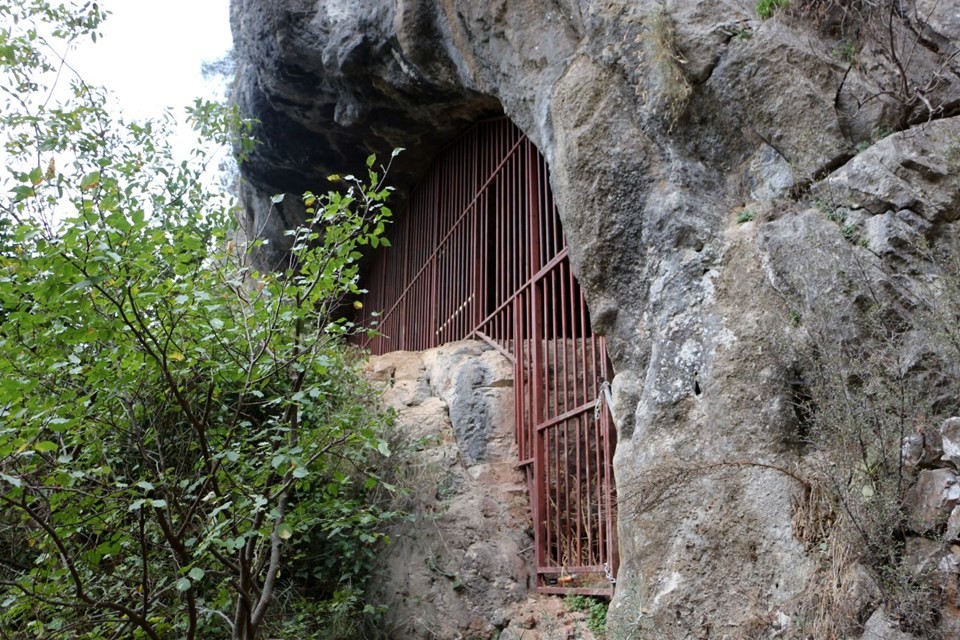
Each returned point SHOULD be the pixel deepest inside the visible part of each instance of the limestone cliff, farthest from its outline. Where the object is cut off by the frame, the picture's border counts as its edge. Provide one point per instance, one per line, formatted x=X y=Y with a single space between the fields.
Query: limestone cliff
x=739 y=194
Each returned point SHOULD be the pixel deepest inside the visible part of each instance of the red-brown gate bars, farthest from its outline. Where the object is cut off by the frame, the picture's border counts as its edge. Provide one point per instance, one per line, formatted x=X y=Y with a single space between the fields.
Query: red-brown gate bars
x=480 y=253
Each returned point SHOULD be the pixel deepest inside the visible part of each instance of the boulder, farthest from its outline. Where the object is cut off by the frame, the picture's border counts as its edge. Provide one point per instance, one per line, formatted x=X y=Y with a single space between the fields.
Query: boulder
x=880 y=627
x=953 y=526
x=921 y=450
x=950 y=433
x=929 y=501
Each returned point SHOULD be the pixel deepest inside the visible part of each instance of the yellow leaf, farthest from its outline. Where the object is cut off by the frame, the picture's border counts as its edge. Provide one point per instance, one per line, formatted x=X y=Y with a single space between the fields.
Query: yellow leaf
x=358 y=305
x=176 y=356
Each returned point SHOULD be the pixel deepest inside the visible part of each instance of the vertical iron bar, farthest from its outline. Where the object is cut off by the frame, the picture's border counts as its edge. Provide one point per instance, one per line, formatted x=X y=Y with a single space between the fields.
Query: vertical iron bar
x=602 y=486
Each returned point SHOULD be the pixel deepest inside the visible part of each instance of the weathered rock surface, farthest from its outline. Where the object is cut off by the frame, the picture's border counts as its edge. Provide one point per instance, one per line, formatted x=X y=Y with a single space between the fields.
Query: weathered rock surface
x=931 y=553
x=950 y=437
x=880 y=627
x=921 y=450
x=660 y=123
x=460 y=566
x=463 y=559
x=931 y=499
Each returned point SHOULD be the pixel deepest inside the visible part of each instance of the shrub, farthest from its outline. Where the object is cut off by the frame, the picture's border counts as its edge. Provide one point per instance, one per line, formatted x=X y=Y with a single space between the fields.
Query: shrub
x=182 y=440
x=863 y=400
x=595 y=608
x=665 y=61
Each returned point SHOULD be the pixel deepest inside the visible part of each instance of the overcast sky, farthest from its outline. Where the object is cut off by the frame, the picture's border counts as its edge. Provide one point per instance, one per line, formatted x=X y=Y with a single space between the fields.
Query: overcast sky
x=150 y=53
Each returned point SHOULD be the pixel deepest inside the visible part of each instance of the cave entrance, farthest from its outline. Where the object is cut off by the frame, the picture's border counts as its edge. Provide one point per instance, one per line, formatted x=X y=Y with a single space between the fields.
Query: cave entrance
x=480 y=253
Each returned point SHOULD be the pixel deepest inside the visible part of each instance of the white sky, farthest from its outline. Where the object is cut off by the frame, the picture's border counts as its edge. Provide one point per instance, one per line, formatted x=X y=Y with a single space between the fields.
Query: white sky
x=149 y=60
x=150 y=53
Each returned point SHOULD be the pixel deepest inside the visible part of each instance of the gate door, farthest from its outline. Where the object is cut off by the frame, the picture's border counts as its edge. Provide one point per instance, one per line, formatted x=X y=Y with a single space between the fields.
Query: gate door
x=480 y=253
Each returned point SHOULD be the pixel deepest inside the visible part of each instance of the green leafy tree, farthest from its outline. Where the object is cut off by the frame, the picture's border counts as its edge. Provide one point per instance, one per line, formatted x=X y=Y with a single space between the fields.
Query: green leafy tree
x=180 y=437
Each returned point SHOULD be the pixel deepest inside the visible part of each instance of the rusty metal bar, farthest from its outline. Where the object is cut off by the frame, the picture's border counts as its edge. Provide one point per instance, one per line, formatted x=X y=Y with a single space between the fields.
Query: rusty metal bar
x=480 y=252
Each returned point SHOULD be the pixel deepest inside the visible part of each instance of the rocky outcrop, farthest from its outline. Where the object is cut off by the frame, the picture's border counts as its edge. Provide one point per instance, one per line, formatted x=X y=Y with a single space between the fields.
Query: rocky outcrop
x=460 y=563
x=664 y=124
x=932 y=510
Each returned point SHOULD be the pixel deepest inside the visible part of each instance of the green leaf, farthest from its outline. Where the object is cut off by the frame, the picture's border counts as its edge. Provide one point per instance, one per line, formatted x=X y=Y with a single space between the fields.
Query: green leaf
x=196 y=574
x=284 y=531
x=90 y=181
x=183 y=584
x=58 y=424
x=22 y=192
x=277 y=198
x=45 y=446
x=223 y=507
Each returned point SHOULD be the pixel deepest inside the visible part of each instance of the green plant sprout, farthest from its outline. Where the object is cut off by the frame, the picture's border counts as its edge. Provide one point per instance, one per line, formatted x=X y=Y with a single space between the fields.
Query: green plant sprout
x=766 y=8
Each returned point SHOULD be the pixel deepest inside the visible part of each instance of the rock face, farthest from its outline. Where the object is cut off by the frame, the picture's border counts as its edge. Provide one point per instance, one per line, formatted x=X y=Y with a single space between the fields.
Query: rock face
x=460 y=565
x=737 y=193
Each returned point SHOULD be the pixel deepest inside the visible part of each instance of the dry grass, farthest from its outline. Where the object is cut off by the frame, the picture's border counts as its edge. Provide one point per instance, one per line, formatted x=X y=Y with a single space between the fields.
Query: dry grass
x=820 y=525
x=662 y=58
x=814 y=512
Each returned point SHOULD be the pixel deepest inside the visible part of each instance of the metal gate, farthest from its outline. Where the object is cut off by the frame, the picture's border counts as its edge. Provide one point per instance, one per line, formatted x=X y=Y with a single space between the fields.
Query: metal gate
x=480 y=253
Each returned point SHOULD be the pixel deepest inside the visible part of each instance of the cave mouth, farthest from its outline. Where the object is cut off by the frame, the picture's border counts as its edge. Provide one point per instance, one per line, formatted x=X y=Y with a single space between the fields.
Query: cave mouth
x=478 y=253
